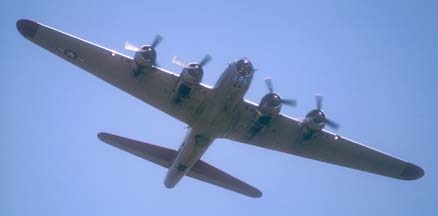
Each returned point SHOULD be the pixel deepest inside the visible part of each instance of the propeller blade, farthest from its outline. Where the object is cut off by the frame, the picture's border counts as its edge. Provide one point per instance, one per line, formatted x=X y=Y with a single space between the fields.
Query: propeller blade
x=180 y=63
x=207 y=58
x=268 y=82
x=156 y=41
x=332 y=124
x=318 y=101
x=132 y=47
x=289 y=102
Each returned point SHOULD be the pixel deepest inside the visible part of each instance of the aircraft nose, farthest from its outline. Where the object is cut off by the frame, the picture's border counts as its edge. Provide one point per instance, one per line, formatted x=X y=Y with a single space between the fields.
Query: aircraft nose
x=27 y=28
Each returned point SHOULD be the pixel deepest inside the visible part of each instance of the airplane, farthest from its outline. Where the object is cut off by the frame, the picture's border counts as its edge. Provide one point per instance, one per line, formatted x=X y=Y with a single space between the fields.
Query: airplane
x=212 y=112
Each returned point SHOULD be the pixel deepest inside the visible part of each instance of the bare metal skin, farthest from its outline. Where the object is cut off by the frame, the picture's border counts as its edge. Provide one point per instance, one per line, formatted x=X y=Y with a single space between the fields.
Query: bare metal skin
x=212 y=112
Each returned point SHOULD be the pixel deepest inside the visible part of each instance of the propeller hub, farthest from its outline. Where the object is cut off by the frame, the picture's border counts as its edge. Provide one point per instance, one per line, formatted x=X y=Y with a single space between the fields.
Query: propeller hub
x=319 y=118
x=272 y=102
x=149 y=54
x=194 y=69
x=145 y=56
x=272 y=99
x=316 y=119
x=194 y=66
x=270 y=105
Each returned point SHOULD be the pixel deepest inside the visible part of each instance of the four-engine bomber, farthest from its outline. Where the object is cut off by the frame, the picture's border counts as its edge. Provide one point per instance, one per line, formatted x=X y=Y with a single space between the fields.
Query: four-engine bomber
x=213 y=112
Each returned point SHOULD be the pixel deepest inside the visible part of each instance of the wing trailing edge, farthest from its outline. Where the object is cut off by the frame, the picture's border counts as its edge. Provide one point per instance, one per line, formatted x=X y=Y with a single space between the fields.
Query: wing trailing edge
x=164 y=157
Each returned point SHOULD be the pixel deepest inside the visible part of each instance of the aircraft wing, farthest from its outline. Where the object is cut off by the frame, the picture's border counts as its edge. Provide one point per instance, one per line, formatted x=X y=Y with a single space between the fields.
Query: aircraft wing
x=285 y=134
x=164 y=157
x=115 y=68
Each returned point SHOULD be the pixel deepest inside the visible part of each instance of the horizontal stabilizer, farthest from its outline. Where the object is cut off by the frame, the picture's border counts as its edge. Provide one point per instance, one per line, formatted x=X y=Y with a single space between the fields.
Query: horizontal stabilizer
x=164 y=157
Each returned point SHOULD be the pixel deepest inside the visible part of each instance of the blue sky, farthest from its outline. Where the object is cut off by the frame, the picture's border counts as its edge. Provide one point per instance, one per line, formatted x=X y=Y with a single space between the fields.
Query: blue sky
x=375 y=62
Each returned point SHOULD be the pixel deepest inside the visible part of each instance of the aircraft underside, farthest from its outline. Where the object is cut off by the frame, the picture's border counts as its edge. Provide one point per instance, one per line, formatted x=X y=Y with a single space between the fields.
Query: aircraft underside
x=213 y=112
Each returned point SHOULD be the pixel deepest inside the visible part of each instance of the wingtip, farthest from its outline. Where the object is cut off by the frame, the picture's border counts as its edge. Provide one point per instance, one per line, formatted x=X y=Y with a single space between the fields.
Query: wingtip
x=253 y=192
x=412 y=172
x=257 y=194
x=103 y=136
x=27 y=28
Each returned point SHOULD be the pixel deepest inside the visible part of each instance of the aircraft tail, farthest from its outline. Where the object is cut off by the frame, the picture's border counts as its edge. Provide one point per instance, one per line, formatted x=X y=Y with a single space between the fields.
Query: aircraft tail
x=164 y=157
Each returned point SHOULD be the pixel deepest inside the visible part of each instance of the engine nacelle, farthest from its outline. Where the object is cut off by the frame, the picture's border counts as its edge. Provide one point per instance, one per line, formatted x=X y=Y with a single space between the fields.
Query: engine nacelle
x=189 y=78
x=314 y=122
x=145 y=58
x=270 y=105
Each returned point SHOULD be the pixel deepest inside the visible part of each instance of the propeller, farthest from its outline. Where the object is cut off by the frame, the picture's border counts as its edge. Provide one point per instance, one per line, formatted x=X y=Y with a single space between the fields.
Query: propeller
x=270 y=86
x=328 y=122
x=156 y=41
x=180 y=63
x=134 y=48
x=207 y=58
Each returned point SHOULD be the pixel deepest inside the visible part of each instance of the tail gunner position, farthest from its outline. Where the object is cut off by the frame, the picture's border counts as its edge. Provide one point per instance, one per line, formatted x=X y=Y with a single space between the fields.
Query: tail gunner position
x=212 y=112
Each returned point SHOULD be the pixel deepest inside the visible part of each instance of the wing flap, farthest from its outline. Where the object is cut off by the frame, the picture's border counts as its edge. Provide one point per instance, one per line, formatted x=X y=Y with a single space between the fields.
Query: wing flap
x=164 y=157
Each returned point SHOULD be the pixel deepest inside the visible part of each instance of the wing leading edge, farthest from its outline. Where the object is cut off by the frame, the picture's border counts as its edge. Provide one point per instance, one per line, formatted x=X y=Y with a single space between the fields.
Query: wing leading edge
x=285 y=134
x=153 y=87
x=164 y=157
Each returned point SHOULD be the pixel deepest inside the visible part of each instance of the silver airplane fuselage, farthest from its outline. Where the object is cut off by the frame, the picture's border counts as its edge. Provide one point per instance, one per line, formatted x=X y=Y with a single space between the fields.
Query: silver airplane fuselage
x=209 y=122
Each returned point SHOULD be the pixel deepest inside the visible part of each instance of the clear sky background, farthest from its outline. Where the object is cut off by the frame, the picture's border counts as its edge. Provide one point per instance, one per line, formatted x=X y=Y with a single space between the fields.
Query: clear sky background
x=375 y=62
